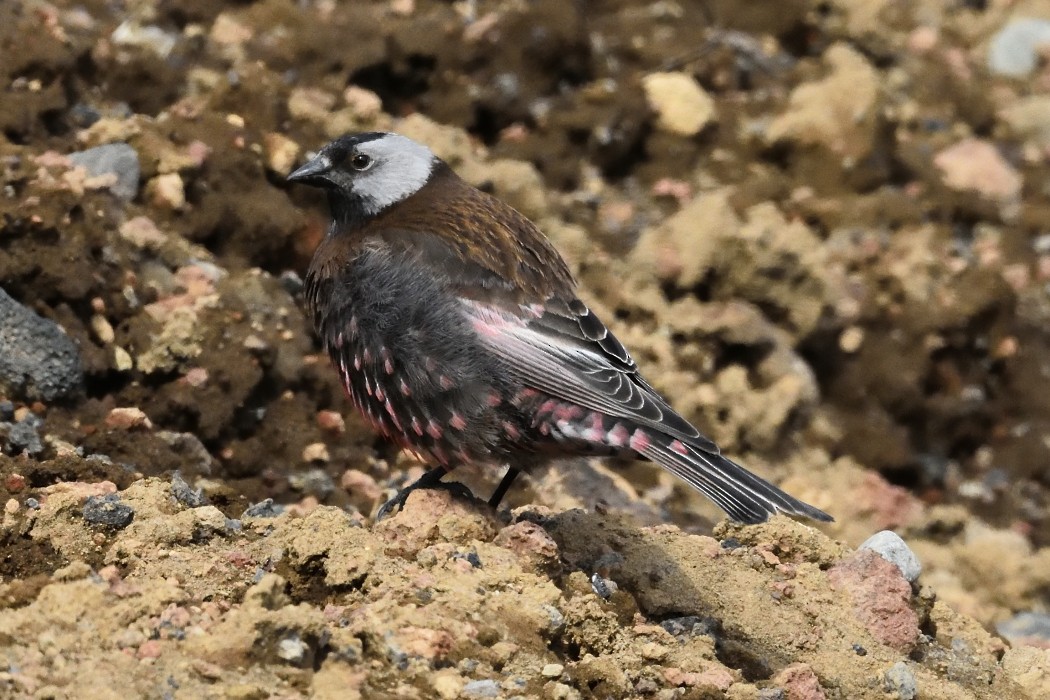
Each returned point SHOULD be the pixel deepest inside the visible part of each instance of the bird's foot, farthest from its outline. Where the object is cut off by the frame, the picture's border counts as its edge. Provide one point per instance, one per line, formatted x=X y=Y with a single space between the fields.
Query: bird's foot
x=430 y=480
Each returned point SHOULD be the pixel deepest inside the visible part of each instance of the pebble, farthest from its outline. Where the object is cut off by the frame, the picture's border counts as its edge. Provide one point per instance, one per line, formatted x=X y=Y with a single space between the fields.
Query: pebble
x=1026 y=628
x=896 y=551
x=481 y=689
x=681 y=105
x=11 y=507
x=974 y=165
x=128 y=418
x=900 y=680
x=332 y=421
x=167 y=191
x=1014 y=50
x=150 y=37
x=118 y=159
x=293 y=650
x=263 y=509
x=37 y=360
x=313 y=482
x=22 y=437
x=552 y=670
x=282 y=153
x=185 y=494
x=108 y=511
x=316 y=452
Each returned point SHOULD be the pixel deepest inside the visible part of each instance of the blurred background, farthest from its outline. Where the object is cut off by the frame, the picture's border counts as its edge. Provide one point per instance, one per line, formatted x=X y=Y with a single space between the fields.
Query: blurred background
x=823 y=229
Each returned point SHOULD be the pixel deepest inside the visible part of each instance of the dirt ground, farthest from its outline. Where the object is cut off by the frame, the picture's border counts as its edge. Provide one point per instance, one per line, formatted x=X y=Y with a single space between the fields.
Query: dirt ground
x=823 y=230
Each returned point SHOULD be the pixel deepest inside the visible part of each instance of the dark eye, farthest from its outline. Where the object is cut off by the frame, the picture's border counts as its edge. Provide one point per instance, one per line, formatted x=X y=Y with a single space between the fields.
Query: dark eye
x=359 y=161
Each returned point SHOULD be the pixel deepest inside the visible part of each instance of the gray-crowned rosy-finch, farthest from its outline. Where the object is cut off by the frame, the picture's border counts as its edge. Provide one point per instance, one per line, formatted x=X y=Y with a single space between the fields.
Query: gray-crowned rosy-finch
x=457 y=331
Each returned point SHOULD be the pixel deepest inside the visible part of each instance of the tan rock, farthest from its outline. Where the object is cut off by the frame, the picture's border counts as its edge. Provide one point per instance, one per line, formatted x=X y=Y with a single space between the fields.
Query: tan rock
x=681 y=105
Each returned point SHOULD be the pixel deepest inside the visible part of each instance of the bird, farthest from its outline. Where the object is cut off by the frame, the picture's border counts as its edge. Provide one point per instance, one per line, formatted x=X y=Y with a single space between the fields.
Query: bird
x=458 y=333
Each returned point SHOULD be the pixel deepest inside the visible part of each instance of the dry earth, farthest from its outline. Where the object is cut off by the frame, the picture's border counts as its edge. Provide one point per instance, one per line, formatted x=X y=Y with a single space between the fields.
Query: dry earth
x=822 y=230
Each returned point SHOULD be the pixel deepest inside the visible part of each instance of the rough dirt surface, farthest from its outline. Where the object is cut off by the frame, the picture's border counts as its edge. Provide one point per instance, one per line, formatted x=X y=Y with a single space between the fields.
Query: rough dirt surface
x=822 y=230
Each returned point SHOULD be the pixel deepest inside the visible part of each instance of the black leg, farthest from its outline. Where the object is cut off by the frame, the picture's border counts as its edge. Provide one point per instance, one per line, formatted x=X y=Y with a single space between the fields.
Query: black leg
x=504 y=484
x=430 y=480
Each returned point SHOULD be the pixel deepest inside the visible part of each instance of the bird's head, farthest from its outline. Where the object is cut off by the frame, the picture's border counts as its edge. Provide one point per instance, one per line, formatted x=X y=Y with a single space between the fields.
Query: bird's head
x=365 y=174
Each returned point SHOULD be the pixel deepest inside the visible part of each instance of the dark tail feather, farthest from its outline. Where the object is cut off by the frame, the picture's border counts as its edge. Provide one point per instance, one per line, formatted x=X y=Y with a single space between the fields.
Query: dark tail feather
x=742 y=495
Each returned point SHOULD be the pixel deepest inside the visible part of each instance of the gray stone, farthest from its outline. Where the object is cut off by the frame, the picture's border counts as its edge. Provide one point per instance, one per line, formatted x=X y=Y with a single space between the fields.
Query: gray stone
x=1014 y=50
x=22 y=437
x=1026 y=627
x=263 y=509
x=900 y=680
x=37 y=360
x=186 y=494
x=481 y=689
x=108 y=511
x=120 y=159
x=893 y=549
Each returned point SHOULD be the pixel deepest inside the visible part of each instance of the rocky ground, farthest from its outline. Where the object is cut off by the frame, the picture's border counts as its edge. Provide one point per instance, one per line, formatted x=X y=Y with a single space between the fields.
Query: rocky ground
x=823 y=231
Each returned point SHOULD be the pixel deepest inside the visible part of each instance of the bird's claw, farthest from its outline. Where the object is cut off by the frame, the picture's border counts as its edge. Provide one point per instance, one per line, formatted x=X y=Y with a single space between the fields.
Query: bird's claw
x=398 y=501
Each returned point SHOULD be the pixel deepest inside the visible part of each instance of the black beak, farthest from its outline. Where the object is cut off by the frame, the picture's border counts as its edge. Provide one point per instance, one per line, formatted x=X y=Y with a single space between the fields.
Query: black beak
x=313 y=172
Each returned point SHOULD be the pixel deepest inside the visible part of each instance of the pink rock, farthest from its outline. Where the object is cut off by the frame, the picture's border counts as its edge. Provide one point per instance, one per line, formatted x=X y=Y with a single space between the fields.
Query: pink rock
x=332 y=421
x=800 y=683
x=128 y=419
x=973 y=165
x=527 y=539
x=881 y=598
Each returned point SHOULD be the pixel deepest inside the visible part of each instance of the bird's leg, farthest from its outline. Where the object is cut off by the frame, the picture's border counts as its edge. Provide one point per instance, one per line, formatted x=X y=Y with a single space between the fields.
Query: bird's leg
x=504 y=484
x=431 y=479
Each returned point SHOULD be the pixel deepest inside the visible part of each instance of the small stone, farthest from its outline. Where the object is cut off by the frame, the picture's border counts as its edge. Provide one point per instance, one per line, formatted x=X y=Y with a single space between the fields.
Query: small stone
x=359 y=483
x=552 y=670
x=118 y=159
x=11 y=507
x=122 y=359
x=263 y=509
x=128 y=418
x=313 y=482
x=892 y=548
x=364 y=103
x=185 y=494
x=293 y=650
x=196 y=377
x=108 y=511
x=681 y=105
x=282 y=153
x=481 y=689
x=851 y=338
x=37 y=360
x=143 y=233
x=22 y=437
x=1031 y=628
x=102 y=329
x=150 y=649
x=150 y=37
x=900 y=680
x=332 y=421
x=167 y=191
x=228 y=31
x=256 y=344
x=1015 y=49
x=974 y=165
x=316 y=452
x=14 y=483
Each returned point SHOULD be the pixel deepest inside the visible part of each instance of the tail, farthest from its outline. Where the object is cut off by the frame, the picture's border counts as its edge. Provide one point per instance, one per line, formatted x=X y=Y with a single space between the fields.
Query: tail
x=742 y=495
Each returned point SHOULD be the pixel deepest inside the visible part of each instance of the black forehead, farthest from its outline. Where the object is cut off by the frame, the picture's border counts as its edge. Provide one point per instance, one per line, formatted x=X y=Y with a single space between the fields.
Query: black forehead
x=347 y=143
